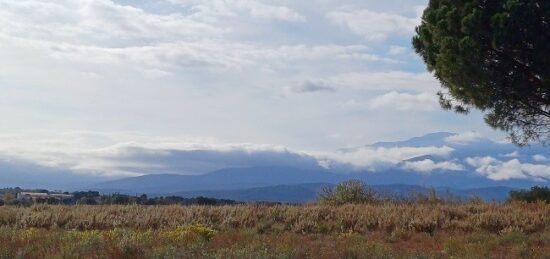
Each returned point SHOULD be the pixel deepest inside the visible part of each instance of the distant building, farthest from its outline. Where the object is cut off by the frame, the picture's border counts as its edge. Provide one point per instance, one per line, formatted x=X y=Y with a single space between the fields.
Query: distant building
x=33 y=196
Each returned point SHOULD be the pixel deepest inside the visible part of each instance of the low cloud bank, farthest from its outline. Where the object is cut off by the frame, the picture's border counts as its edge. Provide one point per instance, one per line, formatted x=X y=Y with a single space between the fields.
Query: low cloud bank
x=427 y=166
x=498 y=170
x=103 y=155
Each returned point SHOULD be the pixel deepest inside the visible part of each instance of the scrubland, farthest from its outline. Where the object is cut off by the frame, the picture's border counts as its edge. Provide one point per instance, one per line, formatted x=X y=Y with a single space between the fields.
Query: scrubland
x=414 y=230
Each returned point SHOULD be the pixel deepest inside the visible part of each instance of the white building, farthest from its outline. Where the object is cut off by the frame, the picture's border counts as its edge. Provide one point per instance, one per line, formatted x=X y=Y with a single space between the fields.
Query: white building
x=44 y=196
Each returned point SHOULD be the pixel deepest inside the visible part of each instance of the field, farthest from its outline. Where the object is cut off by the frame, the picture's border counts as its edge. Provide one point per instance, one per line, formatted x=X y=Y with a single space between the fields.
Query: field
x=472 y=230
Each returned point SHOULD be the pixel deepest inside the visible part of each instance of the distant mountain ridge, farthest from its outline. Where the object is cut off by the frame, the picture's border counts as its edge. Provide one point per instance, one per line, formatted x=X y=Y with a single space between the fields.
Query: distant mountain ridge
x=459 y=162
x=236 y=180
x=433 y=139
x=225 y=179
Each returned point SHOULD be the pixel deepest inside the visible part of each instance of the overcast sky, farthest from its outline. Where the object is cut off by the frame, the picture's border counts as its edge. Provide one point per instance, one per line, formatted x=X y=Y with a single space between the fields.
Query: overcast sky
x=311 y=75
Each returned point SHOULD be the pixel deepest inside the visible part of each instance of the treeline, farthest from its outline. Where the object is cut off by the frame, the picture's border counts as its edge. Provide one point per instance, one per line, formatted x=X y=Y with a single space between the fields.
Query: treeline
x=536 y=193
x=349 y=192
x=356 y=192
x=96 y=198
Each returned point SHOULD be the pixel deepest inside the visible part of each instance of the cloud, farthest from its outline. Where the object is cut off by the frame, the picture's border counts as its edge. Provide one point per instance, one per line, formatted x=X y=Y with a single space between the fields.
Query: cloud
x=206 y=53
x=374 y=158
x=386 y=81
x=540 y=158
x=106 y=32
x=405 y=102
x=102 y=22
x=198 y=159
x=374 y=25
x=464 y=138
x=427 y=166
x=132 y=154
x=116 y=156
x=497 y=170
x=512 y=154
x=309 y=86
x=196 y=67
x=213 y=9
x=261 y=10
x=354 y=105
x=397 y=50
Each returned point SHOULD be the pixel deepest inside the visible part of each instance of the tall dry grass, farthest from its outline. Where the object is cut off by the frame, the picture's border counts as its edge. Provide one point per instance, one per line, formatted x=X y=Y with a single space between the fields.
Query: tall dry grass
x=421 y=230
x=424 y=218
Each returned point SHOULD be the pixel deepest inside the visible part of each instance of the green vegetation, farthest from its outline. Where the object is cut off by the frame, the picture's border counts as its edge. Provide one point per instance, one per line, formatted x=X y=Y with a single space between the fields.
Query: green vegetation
x=349 y=192
x=95 y=198
x=535 y=194
x=493 y=56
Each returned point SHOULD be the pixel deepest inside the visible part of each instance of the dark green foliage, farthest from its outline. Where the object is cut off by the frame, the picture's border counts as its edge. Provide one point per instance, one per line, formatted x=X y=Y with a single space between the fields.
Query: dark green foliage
x=96 y=198
x=535 y=194
x=87 y=194
x=86 y=198
x=120 y=199
x=493 y=56
x=207 y=201
x=87 y=201
x=349 y=192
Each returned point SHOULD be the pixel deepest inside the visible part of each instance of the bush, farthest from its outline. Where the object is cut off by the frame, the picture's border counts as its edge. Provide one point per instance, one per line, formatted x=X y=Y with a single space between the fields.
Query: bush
x=535 y=194
x=349 y=192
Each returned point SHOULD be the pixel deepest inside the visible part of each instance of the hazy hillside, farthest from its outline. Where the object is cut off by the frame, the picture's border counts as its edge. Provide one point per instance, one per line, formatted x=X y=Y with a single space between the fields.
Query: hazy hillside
x=226 y=179
x=469 y=165
x=438 y=159
x=303 y=193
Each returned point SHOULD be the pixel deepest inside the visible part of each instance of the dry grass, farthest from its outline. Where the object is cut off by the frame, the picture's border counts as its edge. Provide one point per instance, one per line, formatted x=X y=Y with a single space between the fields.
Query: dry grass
x=250 y=231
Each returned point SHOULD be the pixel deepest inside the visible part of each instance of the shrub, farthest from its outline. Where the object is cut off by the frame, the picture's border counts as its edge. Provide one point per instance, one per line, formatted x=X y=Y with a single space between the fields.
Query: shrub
x=535 y=194
x=191 y=233
x=349 y=192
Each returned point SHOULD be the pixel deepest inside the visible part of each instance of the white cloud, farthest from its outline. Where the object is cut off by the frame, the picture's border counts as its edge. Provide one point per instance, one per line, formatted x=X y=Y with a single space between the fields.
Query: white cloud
x=540 y=158
x=130 y=154
x=512 y=154
x=99 y=22
x=261 y=10
x=397 y=50
x=541 y=172
x=212 y=9
x=405 y=102
x=374 y=25
x=372 y=158
x=206 y=52
x=497 y=170
x=387 y=81
x=127 y=154
x=354 y=105
x=106 y=32
x=427 y=166
x=195 y=67
x=464 y=138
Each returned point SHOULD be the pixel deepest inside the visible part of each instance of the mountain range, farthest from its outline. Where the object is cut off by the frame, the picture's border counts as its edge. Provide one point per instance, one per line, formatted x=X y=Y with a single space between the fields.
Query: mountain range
x=460 y=164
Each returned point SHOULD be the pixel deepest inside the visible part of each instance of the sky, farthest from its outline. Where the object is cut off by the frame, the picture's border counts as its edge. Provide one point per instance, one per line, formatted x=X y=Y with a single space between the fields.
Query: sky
x=315 y=76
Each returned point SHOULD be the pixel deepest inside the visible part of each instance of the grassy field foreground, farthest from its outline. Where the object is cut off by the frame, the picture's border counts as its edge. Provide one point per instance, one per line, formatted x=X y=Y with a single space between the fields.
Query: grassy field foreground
x=473 y=230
